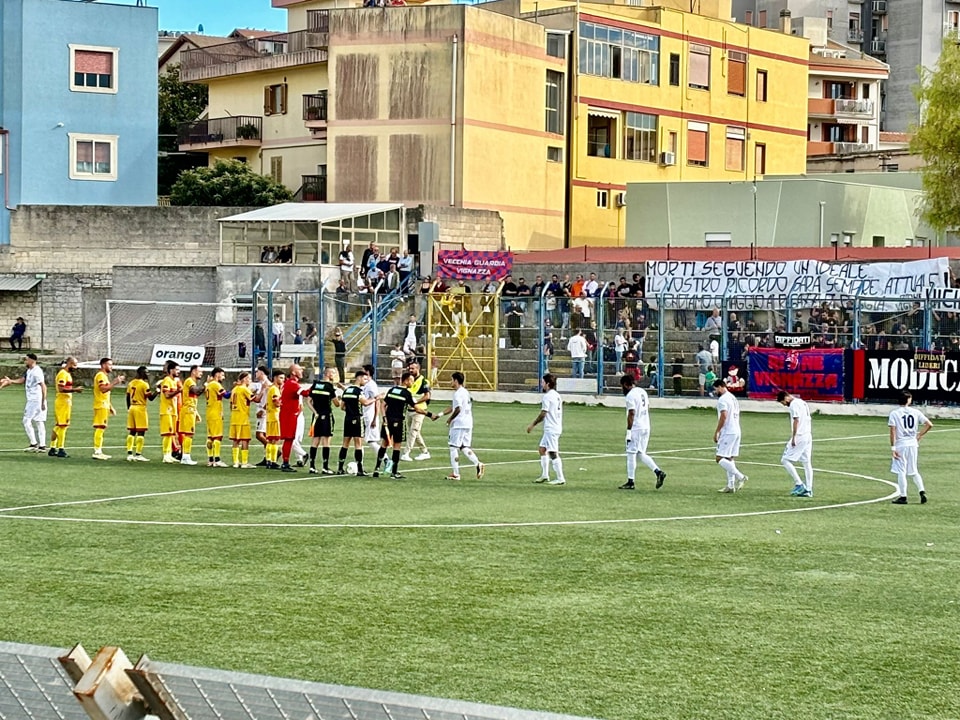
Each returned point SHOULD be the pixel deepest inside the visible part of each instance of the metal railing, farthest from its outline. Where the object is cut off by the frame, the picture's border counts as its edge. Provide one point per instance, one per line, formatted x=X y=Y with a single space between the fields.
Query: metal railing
x=855 y=35
x=315 y=107
x=218 y=130
x=847 y=148
x=853 y=106
x=251 y=48
x=878 y=46
x=318 y=21
x=313 y=188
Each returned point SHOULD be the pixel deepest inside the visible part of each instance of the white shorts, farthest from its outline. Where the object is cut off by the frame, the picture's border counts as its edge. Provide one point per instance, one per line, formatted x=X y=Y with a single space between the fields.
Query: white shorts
x=460 y=438
x=906 y=463
x=262 y=424
x=34 y=413
x=702 y=379
x=728 y=446
x=371 y=434
x=550 y=442
x=799 y=452
x=638 y=441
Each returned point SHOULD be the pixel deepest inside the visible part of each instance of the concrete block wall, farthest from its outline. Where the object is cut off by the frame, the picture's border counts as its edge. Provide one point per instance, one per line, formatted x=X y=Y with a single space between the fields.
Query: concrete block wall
x=72 y=239
x=474 y=229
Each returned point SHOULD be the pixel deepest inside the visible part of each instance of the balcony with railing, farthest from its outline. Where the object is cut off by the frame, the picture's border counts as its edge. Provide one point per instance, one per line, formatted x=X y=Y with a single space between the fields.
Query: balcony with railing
x=236 y=131
x=878 y=46
x=313 y=188
x=318 y=21
x=855 y=35
x=315 y=110
x=817 y=147
x=830 y=107
x=272 y=52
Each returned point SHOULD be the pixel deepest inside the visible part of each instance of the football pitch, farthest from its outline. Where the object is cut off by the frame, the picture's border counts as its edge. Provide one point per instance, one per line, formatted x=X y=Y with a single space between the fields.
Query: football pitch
x=582 y=599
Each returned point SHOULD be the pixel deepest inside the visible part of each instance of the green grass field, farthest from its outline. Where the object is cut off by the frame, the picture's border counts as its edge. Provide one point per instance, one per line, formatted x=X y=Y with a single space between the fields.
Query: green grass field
x=679 y=603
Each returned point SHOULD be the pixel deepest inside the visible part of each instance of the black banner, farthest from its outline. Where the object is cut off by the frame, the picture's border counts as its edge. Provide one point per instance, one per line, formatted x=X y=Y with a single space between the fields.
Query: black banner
x=884 y=374
x=793 y=341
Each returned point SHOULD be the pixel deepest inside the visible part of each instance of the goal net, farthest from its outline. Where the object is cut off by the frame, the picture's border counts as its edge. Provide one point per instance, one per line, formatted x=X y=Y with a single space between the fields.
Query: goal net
x=219 y=333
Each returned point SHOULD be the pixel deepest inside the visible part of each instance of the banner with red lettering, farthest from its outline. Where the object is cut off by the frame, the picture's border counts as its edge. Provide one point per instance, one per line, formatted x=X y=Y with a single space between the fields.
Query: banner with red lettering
x=474 y=264
x=815 y=374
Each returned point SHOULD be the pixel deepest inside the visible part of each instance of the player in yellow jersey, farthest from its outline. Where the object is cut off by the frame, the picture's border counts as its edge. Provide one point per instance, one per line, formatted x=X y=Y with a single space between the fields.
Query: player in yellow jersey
x=62 y=407
x=189 y=393
x=102 y=407
x=139 y=393
x=273 y=420
x=169 y=391
x=214 y=394
x=240 y=399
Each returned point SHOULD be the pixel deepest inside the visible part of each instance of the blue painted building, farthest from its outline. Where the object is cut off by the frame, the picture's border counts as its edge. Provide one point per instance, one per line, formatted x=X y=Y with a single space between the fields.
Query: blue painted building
x=78 y=104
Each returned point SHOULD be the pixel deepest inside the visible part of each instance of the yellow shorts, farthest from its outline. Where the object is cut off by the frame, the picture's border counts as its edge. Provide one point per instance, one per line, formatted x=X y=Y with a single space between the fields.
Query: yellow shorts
x=100 y=417
x=240 y=432
x=168 y=424
x=215 y=428
x=137 y=418
x=273 y=429
x=188 y=422
x=61 y=413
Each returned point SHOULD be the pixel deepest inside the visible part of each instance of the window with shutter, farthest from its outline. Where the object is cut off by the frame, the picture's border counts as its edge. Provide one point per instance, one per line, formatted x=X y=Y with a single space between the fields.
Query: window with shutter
x=698 y=140
x=699 y=67
x=736 y=73
x=92 y=157
x=761 y=85
x=275 y=99
x=736 y=140
x=93 y=69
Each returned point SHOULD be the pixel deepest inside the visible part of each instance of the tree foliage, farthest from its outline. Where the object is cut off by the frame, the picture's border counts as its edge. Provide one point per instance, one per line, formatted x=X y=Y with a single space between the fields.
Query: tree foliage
x=937 y=138
x=179 y=102
x=228 y=183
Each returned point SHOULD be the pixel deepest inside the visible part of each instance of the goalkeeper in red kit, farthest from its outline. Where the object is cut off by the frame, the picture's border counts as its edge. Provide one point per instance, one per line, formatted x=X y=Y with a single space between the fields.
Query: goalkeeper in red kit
x=289 y=412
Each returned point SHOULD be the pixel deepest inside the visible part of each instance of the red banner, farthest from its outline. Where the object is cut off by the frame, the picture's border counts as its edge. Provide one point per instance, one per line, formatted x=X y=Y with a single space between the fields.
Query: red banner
x=474 y=264
x=810 y=374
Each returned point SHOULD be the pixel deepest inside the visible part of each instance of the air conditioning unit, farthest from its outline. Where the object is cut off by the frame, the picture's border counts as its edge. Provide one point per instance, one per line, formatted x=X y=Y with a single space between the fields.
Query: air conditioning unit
x=668 y=158
x=621 y=199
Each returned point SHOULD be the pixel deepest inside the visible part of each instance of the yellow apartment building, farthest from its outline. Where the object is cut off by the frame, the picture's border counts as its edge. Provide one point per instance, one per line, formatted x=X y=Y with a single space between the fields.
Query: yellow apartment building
x=542 y=110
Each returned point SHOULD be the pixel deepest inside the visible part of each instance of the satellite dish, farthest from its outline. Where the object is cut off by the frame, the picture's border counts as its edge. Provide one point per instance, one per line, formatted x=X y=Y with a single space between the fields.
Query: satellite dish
x=200 y=28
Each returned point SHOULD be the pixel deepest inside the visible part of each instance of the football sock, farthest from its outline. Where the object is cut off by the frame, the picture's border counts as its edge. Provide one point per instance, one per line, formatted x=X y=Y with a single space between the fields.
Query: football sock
x=791 y=471
x=167 y=444
x=187 y=444
x=381 y=454
x=544 y=466
x=731 y=479
x=41 y=432
x=649 y=462
x=471 y=456
x=216 y=449
x=209 y=450
x=558 y=467
x=55 y=437
x=236 y=456
x=31 y=435
x=98 y=440
x=63 y=438
x=358 y=458
x=138 y=444
x=342 y=455
x=396 y=461
x=808 y=474
x=454 y=460
x=730 y=467
x=130 y=441
x=918 y=481
x=631 y=466
x=325 y=452
x=244 y=456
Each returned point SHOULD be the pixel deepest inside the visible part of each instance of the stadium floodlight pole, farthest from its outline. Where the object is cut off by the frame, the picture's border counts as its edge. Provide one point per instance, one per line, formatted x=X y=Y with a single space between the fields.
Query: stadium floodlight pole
x=661 y=338
x=542 y=334
x=321 y=329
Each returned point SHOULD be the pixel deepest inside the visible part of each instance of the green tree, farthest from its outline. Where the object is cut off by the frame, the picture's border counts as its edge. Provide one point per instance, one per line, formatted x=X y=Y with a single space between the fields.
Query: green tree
x=937 y=138
x=179 y=102
x=228 y=183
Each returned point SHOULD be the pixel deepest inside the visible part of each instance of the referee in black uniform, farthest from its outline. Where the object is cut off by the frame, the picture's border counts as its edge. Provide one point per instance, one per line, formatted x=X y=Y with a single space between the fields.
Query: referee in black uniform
x=395 y=404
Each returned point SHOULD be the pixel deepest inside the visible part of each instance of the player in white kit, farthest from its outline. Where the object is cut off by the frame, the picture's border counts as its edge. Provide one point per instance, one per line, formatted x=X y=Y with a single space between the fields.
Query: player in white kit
x=551 y=415
x=907 y=426
x=369 y=403
x=35 y=411
x=727 y=437
x=460 y=437
x=638 y=432
x=800 y=445
x=259 y=387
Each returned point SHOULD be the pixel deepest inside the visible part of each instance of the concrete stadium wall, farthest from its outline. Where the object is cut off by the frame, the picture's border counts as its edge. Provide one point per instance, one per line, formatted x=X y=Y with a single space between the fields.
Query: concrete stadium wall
x=474 y=229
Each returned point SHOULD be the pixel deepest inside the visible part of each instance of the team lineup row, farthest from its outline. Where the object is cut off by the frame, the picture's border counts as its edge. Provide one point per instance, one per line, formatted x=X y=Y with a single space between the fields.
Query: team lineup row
x=384 y=419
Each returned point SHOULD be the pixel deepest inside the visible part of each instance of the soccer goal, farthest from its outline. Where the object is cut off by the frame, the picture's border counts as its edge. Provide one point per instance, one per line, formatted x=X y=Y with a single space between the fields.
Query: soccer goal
x=139 y=332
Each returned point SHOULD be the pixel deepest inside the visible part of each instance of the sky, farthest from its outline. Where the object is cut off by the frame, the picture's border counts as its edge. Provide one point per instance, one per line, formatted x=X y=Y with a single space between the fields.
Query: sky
x=219 y=17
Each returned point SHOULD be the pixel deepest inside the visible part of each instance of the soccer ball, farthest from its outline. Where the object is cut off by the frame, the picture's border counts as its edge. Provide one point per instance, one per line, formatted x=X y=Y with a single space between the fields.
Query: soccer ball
x=352 y=468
